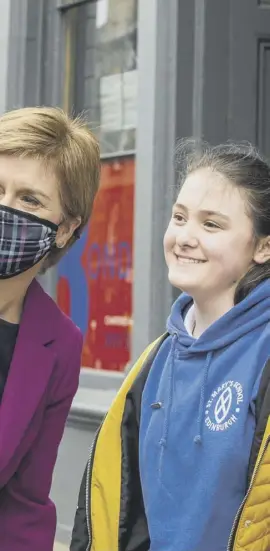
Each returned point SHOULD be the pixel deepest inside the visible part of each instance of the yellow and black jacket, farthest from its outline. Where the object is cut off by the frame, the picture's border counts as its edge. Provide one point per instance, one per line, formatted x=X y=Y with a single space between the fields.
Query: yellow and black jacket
x=110 y=514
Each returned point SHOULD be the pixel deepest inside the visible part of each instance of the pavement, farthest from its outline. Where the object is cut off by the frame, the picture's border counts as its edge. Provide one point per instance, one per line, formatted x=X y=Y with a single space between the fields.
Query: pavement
x=60 y=547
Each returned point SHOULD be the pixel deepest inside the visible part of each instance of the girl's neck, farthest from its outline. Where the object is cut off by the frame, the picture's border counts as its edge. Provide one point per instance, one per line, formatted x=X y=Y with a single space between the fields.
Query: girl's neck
x=208 y=311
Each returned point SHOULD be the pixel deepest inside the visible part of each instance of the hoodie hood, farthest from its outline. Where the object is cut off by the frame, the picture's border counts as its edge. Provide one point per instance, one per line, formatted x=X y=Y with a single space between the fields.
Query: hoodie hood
x=250 y=313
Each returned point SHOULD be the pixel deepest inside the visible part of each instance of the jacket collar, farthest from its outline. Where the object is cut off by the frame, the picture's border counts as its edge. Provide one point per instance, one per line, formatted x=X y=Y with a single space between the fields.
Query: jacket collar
x=30 y=370
x=40 y=317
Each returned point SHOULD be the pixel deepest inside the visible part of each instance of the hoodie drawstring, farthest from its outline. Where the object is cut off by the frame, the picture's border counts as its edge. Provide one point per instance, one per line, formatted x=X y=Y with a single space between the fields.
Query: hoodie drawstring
x=164 y=438
x=198 y=437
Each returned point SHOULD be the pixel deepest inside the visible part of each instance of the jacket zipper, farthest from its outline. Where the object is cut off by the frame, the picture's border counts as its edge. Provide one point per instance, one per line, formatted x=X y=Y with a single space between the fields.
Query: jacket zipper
x=238 y=514
x=87 y=489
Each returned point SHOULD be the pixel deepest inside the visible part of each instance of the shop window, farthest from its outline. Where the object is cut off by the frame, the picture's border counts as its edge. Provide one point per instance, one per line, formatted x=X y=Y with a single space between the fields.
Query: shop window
x=100 y=80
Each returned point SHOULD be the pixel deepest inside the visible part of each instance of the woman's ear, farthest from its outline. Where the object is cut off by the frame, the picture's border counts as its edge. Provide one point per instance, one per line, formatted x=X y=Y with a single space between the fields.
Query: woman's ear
x=66 y=230
x=262 y=252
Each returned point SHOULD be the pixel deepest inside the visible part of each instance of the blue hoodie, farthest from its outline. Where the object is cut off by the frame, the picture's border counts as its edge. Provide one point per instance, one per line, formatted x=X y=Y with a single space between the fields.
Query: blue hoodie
x=197 y=424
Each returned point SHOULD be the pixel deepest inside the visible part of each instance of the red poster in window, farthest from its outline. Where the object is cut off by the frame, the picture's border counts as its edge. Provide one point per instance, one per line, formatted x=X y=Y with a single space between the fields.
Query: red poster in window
x=95 y=278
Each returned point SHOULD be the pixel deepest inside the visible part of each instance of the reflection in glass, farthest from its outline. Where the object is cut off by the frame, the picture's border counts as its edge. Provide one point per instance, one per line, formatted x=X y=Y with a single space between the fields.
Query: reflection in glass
x=101 y=69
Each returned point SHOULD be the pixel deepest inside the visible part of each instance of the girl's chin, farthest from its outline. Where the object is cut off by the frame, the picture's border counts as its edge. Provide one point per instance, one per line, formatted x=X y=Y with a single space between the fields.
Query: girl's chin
x=183 y=284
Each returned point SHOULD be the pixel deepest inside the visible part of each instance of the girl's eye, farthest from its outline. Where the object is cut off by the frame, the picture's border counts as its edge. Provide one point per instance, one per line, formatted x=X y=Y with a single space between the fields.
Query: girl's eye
x=179 y=218
x=212 y=225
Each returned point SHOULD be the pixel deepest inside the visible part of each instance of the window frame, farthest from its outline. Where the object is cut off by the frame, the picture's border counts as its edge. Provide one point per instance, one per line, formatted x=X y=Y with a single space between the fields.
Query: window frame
x=67 y=4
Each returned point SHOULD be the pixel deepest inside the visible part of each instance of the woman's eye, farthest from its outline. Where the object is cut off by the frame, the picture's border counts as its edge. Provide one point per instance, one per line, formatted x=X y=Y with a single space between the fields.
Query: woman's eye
x=30 y=200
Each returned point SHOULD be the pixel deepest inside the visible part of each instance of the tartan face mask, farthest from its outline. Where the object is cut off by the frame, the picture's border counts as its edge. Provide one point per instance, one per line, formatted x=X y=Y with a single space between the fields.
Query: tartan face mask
x=25 y=239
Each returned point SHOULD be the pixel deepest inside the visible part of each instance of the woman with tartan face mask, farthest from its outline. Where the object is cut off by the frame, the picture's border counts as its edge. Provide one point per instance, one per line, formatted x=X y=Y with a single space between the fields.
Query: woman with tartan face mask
x=49 y=175
x=26 y=237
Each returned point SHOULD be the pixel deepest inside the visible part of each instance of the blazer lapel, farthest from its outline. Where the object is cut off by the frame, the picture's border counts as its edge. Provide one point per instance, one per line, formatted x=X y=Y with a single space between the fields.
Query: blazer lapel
x=29 y=373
